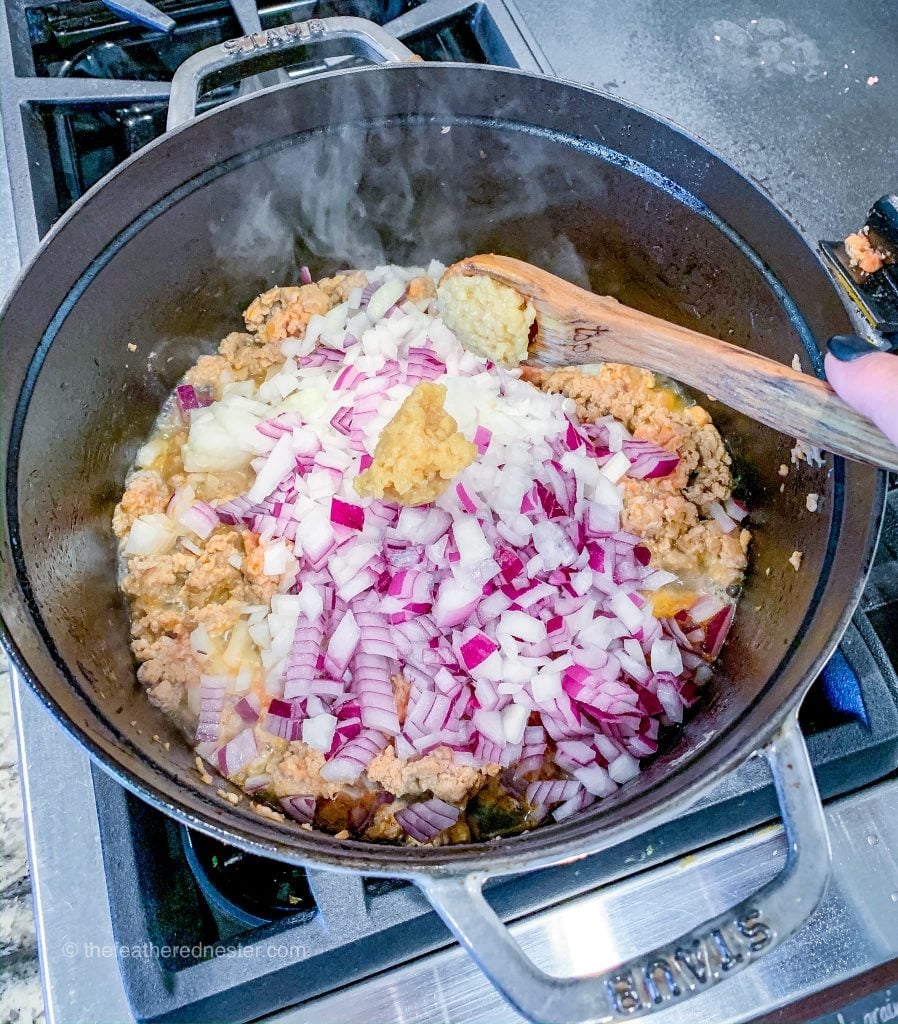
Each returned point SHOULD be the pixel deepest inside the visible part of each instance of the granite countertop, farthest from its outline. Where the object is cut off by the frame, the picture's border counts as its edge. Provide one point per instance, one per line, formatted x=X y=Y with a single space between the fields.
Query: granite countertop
x=20 y=989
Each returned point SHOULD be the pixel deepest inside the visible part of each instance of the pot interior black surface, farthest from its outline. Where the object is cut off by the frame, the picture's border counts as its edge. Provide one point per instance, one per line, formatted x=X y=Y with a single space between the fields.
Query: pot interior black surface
x=171 y=277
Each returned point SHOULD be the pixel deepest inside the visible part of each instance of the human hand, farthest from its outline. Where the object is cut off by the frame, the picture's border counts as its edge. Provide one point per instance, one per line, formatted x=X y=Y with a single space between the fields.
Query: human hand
x=867 y=379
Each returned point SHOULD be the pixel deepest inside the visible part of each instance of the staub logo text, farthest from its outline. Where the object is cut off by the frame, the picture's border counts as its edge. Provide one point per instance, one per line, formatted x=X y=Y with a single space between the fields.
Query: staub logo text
x=275 y=37
x=701 y=962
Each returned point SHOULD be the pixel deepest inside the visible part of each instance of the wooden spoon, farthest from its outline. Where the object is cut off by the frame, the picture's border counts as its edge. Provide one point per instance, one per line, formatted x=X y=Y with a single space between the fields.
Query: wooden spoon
x=576 y=327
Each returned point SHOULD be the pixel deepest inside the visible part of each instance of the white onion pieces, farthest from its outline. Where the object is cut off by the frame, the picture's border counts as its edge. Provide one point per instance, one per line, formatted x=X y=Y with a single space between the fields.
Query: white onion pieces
x=515 y=598
x=151 y=534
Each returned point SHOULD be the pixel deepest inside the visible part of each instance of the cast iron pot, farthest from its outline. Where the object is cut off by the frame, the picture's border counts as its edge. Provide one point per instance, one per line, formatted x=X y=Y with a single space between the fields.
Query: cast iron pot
x=405 y=162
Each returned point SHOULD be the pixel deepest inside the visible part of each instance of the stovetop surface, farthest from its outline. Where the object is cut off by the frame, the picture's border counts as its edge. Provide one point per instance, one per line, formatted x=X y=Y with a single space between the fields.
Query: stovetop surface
x=766 y=84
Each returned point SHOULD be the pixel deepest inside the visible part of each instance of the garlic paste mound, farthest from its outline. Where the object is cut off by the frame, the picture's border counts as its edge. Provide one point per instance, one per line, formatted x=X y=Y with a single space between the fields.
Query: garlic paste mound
x=391 y=588
x=489 y=318
x=419 y=451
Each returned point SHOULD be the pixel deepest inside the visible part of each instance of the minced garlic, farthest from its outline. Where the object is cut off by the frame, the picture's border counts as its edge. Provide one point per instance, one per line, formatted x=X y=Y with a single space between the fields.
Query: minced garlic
x=419 y=451
x=489 y=318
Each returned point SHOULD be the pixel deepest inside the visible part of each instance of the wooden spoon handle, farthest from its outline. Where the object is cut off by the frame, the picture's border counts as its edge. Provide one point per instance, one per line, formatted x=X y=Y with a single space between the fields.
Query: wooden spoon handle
x=577 y=327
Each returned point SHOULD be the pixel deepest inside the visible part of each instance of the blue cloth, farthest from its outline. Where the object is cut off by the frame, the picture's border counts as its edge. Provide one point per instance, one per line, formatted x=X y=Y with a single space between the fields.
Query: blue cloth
x=842 y=689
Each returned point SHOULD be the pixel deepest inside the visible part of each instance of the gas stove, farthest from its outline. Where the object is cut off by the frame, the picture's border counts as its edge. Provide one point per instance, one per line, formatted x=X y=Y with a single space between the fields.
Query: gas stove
x=84 y=89
x=141 y=919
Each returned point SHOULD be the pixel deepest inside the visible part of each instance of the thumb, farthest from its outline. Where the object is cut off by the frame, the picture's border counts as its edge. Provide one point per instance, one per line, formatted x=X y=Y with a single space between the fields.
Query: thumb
x=870 y=385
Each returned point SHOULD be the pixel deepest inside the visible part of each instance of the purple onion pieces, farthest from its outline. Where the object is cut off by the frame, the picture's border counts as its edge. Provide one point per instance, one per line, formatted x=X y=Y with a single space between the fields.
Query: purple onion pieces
x=299 y=808
x=238 y=753
x=427 y=818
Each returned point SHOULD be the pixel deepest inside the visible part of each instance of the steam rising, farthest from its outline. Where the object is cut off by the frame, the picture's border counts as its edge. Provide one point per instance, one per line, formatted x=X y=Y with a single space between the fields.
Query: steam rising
x=393 y=193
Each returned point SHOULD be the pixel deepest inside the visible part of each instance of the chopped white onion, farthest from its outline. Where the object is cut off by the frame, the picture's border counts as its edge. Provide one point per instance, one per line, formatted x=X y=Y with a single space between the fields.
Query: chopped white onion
x=152 y=534
x=386 y=296
x=616 y=467
x=514 y=721
x=318 y=732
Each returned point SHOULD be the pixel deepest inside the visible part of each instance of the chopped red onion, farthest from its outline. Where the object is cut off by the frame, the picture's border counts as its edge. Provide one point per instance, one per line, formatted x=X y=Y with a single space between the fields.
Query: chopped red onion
x=476 y=650
x=648 y=460
x=482 y=438
x=190 y=397
x=716 y=630
x=354 y=757
x=212 y=693
x=427 y=818
x=318 y=732
x=345 y=514
x=666 y=656
x=623 y=768
x=707 y=607
x=467 y=502
x=342 y=420
x=299 y=808
x=595 y=780
x=552 y=792
x=238 y=753
x=200 y=517
x=670 y=701
x=576 y=803
x=735 y=509
x=249 y=708
x=342 y=645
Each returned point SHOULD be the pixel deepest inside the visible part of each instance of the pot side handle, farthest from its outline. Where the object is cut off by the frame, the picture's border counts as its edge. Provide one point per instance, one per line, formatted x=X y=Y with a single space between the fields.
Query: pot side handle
x=229 y=58
x=680 y=969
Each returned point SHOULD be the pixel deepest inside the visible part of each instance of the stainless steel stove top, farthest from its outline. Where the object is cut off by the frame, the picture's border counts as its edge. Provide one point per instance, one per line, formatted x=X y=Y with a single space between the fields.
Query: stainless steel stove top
x=665 y=55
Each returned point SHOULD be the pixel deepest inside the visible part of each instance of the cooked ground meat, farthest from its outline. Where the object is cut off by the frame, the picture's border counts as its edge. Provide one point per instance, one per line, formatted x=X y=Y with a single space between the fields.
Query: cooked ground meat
x=208 y=372
x=421 y=290
x=275 y=315
x=862 y=254
x=146 y=492
x=436 y=773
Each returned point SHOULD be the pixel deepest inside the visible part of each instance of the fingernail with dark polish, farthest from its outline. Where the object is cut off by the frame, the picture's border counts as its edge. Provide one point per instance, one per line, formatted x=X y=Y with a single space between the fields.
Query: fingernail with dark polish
x=846 y=347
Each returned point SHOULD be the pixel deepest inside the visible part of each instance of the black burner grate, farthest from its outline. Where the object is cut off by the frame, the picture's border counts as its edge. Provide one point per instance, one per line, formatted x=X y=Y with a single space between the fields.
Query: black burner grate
x=89 y=40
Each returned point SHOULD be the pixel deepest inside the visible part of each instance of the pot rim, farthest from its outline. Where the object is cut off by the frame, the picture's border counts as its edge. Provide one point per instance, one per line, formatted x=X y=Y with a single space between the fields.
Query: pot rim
x=541 y=847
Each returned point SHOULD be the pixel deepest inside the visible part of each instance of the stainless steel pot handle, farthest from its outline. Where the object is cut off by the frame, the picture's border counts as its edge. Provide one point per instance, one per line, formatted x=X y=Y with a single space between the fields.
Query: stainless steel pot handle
x=680 y=969
x=371 y=39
